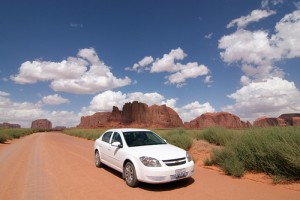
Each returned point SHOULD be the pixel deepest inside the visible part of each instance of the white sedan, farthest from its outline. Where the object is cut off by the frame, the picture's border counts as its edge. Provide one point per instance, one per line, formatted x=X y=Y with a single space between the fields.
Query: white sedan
x=142 y=156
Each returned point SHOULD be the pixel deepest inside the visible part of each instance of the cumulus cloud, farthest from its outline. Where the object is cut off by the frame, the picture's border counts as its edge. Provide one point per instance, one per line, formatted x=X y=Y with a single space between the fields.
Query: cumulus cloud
x=287 y=35
x=266 y=3
x=270 y=97
x=190 y=70
x=84 y=74
x=24 y=113
x=254 y=16
x=193 y=110
x=208 y=79
x=4 y=94
x=178 y=72
x=142 y=65
x=264 y=90
x=54 y=100
x=167 y=62
x=104 y=102
x=257 y=51
x=208 y=36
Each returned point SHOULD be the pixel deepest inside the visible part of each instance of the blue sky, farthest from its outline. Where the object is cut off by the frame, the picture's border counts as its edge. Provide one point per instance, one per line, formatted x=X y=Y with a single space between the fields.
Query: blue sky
x=61 y=60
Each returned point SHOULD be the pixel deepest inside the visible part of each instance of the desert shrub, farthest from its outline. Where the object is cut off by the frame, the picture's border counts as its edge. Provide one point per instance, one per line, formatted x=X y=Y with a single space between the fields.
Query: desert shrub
x=179 y=138
x=3 y=138
x=218 y=135
x=90 y=134
x=12 y=133
x=274 y=151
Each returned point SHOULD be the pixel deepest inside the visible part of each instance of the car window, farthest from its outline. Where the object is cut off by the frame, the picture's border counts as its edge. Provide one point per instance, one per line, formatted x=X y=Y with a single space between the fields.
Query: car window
x=116 y=138
x=106 y=137
x=142 y=138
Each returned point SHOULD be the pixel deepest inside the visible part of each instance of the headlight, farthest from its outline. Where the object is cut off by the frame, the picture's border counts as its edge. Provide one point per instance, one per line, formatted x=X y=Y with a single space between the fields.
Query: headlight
x=150 y=162
x=189 y=157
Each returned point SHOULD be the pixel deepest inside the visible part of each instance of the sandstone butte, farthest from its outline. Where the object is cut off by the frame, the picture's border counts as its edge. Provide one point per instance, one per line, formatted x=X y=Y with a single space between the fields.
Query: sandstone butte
x=41 y=124
x=8 y=125
x=134 y=114
x=292 y=119
x=221 y=119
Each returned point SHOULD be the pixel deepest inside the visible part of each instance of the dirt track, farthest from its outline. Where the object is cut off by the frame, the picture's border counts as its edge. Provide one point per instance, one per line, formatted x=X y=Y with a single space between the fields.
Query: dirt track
x=56 y=166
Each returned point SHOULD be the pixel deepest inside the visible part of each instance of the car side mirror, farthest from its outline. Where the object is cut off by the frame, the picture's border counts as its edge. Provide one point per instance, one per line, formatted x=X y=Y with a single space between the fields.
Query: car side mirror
x=117 y=144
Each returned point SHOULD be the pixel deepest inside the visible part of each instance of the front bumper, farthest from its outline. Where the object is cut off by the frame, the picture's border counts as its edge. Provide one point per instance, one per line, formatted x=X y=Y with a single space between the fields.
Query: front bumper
x=165 y=173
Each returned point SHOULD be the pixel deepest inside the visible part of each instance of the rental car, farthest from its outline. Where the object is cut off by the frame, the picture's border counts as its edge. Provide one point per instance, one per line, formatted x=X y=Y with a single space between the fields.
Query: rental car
x=142 y=156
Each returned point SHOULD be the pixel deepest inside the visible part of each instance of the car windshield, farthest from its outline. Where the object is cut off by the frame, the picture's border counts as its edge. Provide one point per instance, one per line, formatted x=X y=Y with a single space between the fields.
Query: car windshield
x=142 y=138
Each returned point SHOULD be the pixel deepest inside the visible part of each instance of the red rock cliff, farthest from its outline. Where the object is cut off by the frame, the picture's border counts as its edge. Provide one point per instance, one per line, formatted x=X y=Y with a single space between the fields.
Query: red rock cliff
x=41 y=124
x=222 y=119
x=134 y=114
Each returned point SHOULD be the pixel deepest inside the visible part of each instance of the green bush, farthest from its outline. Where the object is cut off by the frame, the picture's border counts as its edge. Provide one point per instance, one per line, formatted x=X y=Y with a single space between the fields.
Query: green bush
x=218 y=135
x=274 y=151
x=179 y=138
x=12 y=133
x=90 y=134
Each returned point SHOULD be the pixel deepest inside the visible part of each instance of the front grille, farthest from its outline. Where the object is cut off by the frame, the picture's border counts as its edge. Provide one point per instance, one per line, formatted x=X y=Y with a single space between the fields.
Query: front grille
x=175 y=162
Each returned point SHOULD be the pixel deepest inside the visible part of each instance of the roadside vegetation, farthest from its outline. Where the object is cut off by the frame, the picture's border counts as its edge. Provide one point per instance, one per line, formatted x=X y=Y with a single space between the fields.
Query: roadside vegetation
x=274 y=151
x=90 y=134
x=13 y=133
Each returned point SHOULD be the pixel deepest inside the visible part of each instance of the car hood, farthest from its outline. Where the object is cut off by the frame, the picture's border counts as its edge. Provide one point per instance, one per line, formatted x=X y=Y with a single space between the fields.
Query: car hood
x=160 y=152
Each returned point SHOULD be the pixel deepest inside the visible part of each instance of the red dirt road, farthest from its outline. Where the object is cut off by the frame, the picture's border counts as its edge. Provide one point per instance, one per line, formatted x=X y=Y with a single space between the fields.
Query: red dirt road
x=55 y=166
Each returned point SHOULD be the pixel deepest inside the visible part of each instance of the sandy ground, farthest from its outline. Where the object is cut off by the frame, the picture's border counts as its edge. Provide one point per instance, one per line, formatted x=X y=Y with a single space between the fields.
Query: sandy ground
x=56 y=166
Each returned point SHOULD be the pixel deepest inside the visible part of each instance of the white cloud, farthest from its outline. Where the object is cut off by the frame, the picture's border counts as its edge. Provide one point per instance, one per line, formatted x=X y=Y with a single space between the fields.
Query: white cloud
x=297 y=4
x=85 y=74
x=4 y=94
x=257 y=51
x=287 y=35
x=254 y=16
x=270 y=97
x=178 y=72
x=247 y=47
x=208 y=36
x=193 y=110
x=208 y=79
x=142 y=65
x=104 y=102
x=54 y=100
x=264 y=91
x=190 y=70
x=24 y=113
x=167 y=62
x=266 y=3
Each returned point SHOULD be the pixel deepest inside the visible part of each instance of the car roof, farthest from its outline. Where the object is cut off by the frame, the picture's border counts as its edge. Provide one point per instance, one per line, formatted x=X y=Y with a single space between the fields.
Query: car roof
x=127 y=129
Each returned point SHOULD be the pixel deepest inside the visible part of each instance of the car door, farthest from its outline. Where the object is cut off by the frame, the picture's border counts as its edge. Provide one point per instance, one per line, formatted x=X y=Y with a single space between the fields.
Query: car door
x=116 y=154
x=105 y=146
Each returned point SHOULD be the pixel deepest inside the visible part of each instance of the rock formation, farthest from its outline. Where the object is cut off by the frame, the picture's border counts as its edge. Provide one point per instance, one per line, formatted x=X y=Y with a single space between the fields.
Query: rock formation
x=41 y=124
x=8 y=125
x=221 y=119
x=292 y=119
x=268 y=121
x=134 y=114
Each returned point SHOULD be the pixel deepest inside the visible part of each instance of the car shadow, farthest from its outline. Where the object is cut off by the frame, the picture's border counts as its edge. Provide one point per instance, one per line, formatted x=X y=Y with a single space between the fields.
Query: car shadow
x=167 y=186
x=156 y=187
x=112 y=171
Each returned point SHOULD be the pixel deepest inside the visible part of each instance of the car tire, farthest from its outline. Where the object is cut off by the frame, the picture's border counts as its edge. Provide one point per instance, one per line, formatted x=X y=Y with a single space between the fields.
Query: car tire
x=98 y=162
x=130 y=175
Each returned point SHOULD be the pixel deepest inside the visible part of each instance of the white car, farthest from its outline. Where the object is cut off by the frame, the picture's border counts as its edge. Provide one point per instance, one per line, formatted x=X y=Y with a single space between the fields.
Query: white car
x=142 y=156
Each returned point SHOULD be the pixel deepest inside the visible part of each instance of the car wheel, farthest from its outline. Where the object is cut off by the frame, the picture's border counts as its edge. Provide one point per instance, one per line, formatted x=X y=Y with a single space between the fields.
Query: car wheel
x=130 y=175
x=98 y=162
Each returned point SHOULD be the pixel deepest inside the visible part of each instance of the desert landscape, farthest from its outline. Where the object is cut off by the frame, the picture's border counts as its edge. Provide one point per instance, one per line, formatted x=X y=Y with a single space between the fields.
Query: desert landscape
x=218 y=79
x=51 y=165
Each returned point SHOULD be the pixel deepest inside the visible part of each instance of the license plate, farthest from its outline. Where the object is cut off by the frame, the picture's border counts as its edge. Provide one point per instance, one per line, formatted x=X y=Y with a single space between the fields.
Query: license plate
x=180 y=173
